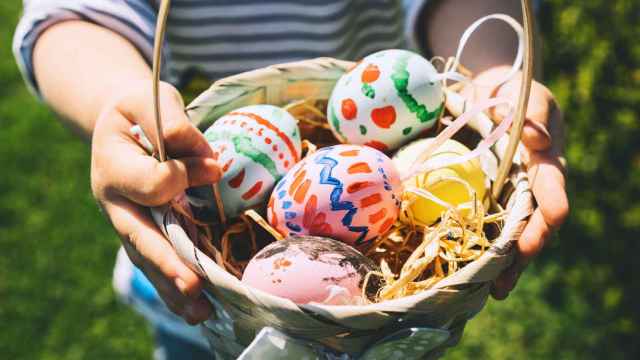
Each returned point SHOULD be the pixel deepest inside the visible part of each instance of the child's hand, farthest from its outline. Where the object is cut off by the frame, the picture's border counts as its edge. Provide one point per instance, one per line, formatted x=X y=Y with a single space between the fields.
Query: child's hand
x=543 y=137
x=125 y=180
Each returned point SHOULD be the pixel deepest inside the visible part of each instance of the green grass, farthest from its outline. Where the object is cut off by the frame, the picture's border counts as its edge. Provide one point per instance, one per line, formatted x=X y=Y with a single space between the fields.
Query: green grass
x=56 y=300
x=578 y=301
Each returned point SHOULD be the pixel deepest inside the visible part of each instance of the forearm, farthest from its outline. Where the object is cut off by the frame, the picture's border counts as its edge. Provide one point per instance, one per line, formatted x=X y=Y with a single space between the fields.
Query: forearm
x=493 y=45
x=78 y=77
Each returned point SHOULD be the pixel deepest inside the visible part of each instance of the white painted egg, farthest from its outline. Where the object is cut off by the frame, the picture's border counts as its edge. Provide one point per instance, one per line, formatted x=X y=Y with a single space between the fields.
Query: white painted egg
x=386 y=100
x=255 y=145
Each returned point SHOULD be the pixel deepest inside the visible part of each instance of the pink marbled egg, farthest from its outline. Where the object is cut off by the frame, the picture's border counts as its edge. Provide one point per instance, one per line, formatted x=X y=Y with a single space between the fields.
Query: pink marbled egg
x=308 y=269
x=346 y=192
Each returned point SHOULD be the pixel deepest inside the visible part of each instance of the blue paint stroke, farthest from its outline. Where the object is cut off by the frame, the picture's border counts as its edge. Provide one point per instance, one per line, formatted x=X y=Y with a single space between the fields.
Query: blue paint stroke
x=326 y=178
x=293 y=227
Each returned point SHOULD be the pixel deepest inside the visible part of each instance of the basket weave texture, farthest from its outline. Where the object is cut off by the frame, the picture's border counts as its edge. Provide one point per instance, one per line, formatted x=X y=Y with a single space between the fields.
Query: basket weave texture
x=242 y=312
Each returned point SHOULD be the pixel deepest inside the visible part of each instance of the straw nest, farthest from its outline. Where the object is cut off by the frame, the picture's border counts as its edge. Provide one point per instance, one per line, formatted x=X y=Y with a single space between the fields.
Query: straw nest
x=412 y=257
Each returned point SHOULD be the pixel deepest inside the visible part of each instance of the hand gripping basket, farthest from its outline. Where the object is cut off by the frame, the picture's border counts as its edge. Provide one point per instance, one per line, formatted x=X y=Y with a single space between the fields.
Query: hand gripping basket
x=252 y=324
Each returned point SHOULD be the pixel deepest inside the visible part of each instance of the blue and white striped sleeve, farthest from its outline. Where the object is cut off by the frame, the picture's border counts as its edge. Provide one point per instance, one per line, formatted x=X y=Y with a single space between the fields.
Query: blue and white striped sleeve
x=132 y=19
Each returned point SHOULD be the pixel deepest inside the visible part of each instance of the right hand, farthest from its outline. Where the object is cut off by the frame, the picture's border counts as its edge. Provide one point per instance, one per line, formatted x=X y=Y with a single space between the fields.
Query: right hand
x=126 y=181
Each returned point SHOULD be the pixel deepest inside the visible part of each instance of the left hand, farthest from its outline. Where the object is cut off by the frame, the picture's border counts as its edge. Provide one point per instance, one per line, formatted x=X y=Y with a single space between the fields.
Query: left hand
x=543 y=137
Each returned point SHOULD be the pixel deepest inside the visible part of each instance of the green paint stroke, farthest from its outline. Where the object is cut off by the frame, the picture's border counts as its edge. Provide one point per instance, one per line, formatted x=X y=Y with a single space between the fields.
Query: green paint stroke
x=368 y=91
x=400 y=78
x=406 y=131
x=363 y=130
x=335 y=121
x=244 y=146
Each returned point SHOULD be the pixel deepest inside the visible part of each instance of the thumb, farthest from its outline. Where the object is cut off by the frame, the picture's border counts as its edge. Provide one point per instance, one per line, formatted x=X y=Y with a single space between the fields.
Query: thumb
x=181 y=138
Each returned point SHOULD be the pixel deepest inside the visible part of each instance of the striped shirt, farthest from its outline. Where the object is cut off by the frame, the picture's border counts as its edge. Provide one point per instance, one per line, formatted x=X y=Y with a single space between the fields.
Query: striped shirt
x=219 y=38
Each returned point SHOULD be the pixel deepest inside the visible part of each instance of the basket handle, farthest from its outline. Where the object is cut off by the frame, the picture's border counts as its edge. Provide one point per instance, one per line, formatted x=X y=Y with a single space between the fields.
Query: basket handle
x=523 y=101
x=161 y=26
x=519 y=117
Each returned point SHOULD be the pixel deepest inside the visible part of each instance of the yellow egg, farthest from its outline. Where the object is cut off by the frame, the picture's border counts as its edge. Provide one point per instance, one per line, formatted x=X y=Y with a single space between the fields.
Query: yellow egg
x=440 y=182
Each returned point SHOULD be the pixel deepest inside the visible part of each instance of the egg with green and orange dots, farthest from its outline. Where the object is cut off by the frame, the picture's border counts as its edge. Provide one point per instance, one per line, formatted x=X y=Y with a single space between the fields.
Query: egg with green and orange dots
x=386 y=100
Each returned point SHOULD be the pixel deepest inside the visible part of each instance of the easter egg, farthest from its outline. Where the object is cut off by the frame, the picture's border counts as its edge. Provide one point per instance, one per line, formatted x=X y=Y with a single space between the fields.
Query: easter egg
x=308 y=269
x=440 y=181
x=346 y=192
x=255 y=146
x=389 y=98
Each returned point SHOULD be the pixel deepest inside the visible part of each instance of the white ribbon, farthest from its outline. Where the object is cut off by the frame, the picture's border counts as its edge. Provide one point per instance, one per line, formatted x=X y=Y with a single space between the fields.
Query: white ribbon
x=422 y=164
x=517 y=63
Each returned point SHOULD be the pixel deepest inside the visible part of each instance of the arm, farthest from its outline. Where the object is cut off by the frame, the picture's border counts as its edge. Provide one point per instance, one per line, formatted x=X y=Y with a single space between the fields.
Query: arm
x=100 y=83
x=92 y=67
x=490 y=54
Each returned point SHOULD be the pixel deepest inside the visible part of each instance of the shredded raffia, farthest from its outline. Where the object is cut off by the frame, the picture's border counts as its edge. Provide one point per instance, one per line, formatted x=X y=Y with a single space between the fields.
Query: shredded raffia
x=412 y=256
x=415 y=257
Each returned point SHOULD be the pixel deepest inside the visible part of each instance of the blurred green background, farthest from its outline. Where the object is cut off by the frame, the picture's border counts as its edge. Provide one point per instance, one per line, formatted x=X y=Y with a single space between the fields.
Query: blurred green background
x=578 y=301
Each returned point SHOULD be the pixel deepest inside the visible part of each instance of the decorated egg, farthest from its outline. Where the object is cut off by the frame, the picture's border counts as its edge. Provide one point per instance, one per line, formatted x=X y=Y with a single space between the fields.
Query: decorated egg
x=346 y=192
x=440 y=182
x=387 y=99
x=255 y=145
x=308 y=269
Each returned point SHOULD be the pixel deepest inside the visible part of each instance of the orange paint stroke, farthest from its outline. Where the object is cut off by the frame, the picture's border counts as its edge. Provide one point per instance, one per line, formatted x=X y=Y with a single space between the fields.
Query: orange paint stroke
x=237 y=180
x=370 y=74
x=301 y=193
x=370 y=200
x=377 y=216
x=384 y=117
x=350 y=153
x=253 y=191
x=297 y=181
x=264 y=122
x=357 y=186
x=359 y=168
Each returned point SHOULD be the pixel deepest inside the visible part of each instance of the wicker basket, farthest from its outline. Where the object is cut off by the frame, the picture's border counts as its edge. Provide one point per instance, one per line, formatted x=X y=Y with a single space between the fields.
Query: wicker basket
x=241 y=312
x=256 y=325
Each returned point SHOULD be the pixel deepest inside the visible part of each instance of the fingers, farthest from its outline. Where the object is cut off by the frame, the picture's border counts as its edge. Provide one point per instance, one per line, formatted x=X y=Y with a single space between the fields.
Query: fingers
x=181 y=137
x=543 y=137
x=162 y=181
x=540 y=110
x=548 y=184
x=147 y=248
x=533 y=238
x=121 y=167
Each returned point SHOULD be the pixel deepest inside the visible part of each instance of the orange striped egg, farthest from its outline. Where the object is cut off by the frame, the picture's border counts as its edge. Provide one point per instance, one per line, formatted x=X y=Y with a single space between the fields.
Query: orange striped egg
x=386 y=100
x=255 y=145
x=345 y=192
